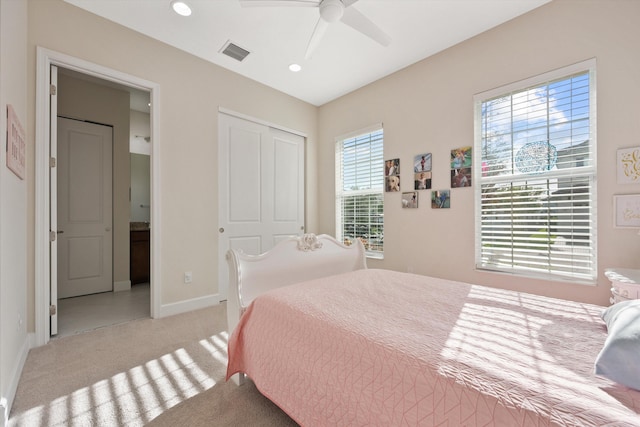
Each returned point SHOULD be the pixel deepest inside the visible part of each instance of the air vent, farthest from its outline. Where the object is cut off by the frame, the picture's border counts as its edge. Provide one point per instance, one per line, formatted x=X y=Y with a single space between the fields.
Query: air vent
x=234 y=51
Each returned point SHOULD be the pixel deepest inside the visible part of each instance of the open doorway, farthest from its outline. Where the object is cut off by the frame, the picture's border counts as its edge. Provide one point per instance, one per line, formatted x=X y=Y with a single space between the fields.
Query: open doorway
x=103 y=203
x=46 y=298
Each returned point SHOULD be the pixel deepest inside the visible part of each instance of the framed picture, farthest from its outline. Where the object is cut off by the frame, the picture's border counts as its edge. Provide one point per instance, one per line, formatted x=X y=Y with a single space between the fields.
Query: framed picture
x=392 y=183
x=461 y=158
x=441 y=199
x=392 y=167
x=15 y=143
x=628 y=167
x=422 y=181
x=422 y=163
x=626 y=210
x=460 y=178
x=410 y=200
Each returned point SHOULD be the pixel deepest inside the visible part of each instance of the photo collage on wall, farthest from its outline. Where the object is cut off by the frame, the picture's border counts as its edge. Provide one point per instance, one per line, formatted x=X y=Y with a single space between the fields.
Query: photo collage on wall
x=460 y=165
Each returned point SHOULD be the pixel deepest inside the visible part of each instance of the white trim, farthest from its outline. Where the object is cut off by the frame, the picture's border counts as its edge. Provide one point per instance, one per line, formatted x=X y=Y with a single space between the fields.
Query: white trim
x=46 y=58
x=579 y=67
x=260 y=121
x=14 y=379
x=368 y=129
x=189 y=305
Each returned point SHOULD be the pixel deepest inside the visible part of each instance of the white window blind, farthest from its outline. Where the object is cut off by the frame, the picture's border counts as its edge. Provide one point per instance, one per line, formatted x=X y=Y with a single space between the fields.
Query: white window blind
x=536 y=198
x=360 y=190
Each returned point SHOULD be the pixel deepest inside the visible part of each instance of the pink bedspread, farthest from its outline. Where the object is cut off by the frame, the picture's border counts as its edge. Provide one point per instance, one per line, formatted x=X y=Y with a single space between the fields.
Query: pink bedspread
x=376 y=347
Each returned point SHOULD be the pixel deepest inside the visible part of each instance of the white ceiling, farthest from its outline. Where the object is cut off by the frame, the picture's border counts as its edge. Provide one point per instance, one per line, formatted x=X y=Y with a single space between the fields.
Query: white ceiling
x=277 y=36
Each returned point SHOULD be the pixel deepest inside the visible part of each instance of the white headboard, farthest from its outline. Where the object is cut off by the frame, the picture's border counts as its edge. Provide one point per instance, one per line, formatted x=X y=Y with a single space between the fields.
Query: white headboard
x=291 y=261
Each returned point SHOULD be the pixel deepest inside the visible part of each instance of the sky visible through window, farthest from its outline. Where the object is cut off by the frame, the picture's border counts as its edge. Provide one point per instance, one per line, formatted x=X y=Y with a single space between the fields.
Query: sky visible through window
x=557 y=113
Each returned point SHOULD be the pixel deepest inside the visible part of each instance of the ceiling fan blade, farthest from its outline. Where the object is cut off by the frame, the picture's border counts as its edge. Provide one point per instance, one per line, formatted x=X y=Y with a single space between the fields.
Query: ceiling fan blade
x=318 y=33
x=356 y=20
x=279 y=3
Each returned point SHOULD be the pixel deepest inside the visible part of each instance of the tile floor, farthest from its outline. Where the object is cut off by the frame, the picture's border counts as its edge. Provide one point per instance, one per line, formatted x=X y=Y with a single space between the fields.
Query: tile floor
x=81 y=314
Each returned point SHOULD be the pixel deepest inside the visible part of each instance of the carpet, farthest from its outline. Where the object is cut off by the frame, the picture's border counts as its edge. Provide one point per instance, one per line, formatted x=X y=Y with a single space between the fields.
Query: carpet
x=160 y=372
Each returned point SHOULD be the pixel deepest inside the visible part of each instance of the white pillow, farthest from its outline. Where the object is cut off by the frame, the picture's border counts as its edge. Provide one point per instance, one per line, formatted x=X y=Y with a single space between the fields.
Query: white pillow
x=619 y=359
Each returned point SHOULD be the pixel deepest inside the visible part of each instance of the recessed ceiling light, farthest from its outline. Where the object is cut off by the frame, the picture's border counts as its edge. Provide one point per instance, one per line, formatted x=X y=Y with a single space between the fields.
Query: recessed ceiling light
x=295 y=67
x=181 y=8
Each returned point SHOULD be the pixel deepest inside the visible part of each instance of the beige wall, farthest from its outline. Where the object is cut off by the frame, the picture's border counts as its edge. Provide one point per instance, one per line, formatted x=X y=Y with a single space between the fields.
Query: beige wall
x=13 y=205
x=191 y=92
x=428 y=107
x=82 y=100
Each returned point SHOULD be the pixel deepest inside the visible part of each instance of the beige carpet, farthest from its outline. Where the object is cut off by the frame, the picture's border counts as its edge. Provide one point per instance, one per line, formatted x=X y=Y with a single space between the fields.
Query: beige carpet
x=159 y=372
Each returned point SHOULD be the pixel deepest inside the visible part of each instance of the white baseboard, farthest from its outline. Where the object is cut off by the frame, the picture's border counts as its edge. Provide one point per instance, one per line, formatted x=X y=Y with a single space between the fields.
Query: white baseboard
x=189 y=305
x=125 y=285
x=6 y=401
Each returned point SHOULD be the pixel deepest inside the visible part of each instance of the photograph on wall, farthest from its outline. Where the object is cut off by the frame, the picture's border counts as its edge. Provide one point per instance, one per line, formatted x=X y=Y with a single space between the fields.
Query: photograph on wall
x=15 y=143
x=628 y=167
x=461 y=158
x=441 y=199
x=410 y=200
x=422 y=181
x=460 y=177
x=392 y=183
x=392 y=167
x=422 y=163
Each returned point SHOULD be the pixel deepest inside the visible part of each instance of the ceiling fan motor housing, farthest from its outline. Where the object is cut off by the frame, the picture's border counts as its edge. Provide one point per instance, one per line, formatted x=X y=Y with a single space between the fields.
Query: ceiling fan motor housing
x=331 y=10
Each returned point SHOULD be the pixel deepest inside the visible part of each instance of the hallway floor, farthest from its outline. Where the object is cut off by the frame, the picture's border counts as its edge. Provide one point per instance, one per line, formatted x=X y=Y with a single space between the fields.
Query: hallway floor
x=81 y=314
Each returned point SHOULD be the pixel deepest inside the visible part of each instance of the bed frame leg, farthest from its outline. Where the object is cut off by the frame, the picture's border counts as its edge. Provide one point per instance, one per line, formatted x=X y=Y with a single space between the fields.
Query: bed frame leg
x=239 y=379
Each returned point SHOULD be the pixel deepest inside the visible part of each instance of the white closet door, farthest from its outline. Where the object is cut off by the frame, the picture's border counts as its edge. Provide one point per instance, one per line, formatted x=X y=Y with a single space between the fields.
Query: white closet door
x=261 y=189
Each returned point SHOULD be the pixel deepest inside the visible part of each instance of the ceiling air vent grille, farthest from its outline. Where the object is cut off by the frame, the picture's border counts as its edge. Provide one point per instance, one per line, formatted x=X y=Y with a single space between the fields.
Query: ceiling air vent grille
x=234 y=51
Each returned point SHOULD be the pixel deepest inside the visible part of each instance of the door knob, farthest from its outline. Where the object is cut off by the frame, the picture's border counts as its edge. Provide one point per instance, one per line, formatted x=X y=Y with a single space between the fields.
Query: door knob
x=221 y=230
x=60 y=231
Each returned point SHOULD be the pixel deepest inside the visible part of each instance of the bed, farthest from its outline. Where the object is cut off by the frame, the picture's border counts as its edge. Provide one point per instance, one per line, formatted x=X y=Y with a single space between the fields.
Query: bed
x=333 y=343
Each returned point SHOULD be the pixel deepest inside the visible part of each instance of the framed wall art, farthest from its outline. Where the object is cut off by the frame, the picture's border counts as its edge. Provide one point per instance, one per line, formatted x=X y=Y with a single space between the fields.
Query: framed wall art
x=441 y=199
x=628 y=167
x=410 y=200
x=15 y=143
x=422 y=180
x=392 y=167
x=422 y=163
x=626 y=210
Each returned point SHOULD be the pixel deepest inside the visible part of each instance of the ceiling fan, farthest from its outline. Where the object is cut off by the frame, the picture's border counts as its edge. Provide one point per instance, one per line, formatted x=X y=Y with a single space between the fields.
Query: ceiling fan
x=331 y=11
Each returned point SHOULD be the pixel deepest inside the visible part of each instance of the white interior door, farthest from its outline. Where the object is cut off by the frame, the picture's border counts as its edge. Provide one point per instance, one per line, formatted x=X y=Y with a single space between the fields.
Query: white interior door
x=261 y=188
x=85 y=216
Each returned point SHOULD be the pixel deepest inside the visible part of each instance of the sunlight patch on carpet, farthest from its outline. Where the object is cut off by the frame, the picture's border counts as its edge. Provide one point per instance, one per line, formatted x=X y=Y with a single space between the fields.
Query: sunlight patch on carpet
x=134 y=397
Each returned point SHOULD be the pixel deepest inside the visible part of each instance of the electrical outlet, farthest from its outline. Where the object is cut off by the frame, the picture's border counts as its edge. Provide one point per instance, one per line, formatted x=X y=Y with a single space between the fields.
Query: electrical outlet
x=188 y=277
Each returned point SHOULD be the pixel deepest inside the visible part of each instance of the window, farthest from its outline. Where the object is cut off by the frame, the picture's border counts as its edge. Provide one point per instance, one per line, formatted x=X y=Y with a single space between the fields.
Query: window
x=536 y=198
x=360 y=190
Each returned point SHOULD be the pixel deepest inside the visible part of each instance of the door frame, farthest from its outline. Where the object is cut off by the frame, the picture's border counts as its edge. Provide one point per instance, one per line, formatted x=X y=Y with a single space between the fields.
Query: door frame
x=45 y=59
